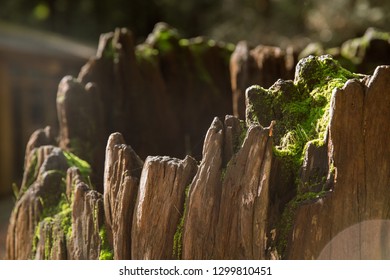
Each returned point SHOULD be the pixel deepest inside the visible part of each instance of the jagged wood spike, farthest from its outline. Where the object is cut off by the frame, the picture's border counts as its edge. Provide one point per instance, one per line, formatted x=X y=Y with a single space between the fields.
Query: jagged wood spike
x=159 y=206
x=121 y=182
x=203 y=201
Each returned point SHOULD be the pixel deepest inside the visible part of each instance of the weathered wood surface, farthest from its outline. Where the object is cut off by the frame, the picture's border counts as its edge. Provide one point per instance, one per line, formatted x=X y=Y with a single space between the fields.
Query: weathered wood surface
x=159 y=206
x=242 y=226
x=79 y=117
x=203 y=201
x=56 y=216
x=231 y=210
x=227 y=214
x=121 y=182
x=87 y=221
x=41 y=189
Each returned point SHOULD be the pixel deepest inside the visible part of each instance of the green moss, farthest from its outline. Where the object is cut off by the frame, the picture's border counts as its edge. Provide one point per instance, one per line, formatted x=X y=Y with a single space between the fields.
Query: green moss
x=64 y=216
x=178 y=237
x=145 y=53
x=57 y=211
x=82 y=165
x=184 y=42
x=109 y=51
x=354 y=50
x=166 y=39
x=60 y=216
x=300 y=108
x=79 y=147
x=105 y=249
x=56 y=206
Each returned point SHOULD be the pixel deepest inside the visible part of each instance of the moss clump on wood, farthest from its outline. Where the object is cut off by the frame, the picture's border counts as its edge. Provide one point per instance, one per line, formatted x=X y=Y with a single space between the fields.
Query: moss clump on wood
x=57 y=211
x=146 y=54
x=300 y=107
x=57 y=216
x=166 y=39
x=82 y=165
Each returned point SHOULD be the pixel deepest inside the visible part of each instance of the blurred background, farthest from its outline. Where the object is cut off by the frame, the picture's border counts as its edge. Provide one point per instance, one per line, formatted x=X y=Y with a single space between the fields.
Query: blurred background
x=43 y=40
x=265 y=21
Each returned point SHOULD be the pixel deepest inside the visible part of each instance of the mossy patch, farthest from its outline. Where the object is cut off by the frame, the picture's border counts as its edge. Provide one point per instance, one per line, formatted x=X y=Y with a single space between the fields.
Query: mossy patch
x=58 y=216
x=109 y=51
x=80 y=147
x=354 y=50
x=105 y=249
x=146 y=54
x=300 y=107
x=57 y=209
x=178 y=237
x=82 y=165
x=165 y=38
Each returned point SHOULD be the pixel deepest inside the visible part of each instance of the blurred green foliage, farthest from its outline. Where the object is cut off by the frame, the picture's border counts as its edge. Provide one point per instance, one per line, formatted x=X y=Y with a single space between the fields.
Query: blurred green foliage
x=258 y=21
